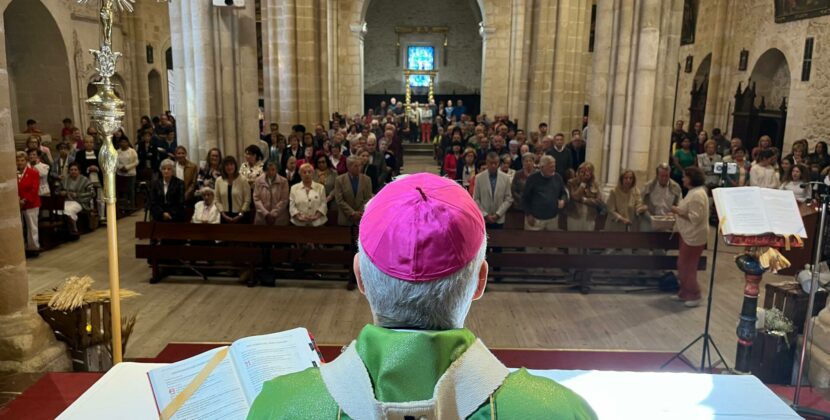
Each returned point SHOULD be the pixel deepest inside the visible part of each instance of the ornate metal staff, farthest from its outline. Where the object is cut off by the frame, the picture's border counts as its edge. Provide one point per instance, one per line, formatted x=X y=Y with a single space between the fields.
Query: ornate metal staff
x=106 y=110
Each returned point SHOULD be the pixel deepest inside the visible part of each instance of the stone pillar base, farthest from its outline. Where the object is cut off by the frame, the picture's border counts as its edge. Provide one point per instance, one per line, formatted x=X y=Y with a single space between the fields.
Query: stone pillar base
x=27 y=344
x=818 y=362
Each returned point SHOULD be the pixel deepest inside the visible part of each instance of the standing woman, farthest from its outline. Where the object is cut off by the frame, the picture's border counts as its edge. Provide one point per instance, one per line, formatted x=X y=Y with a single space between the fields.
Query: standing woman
x=148 y=161
x=741 y=177
x=707 y=161
x=325 y=176
x=293 y=150
x=585 y=199
x=465 y=171
x=693 y=226
x=818 y=160
x=28 y=184
x=683 y=158
x=307 y=200
x=787 y=163
x=451 y=161
x=210 y=171
x=125 y=170
x=33 y=143
x=506 y=163
x=764 y=143
x=271 y=198
x=233 y=194
x=797 y=181
x=625 y=204
x=251 y=169
x=290 y=172
x=118 y=135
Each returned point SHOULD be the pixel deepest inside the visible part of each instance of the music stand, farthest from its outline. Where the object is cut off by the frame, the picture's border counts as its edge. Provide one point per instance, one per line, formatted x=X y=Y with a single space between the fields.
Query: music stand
x=705 y=336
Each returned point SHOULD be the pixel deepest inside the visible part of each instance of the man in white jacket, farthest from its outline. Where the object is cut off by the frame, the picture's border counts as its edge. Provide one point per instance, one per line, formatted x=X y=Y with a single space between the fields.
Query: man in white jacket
x=492 y=193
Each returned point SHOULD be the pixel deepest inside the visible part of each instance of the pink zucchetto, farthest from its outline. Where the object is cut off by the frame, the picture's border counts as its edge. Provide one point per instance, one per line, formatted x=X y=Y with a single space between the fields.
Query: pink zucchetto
x=421 y=228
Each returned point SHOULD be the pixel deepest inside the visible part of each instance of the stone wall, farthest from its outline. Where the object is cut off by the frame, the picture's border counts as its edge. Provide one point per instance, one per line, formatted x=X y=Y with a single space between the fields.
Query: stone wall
x=60 y=44
x=729 y=27
x=385 y=60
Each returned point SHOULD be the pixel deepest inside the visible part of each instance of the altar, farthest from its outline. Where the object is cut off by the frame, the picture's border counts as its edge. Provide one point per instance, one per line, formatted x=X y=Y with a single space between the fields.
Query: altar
x=124 y=392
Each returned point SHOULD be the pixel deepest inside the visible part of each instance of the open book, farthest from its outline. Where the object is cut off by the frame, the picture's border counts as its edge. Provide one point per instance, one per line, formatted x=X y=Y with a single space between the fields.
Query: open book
x=236 y=375
x=754 y=211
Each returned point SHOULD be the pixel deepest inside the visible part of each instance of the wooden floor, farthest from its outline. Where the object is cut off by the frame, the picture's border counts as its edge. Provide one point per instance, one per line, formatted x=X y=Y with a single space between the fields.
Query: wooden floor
x=512 y=316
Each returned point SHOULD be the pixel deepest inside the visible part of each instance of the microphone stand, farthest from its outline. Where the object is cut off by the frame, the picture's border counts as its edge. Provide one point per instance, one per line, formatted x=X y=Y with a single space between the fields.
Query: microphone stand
x=808 y=322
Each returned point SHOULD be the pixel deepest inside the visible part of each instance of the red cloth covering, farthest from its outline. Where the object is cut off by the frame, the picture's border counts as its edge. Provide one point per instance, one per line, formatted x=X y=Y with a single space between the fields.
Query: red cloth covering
x=27 y=188
x=47 y=398
x=762 y=240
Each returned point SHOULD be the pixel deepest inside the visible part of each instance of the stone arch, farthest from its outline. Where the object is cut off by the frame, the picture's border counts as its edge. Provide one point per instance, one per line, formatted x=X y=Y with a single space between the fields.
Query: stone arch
x=772 y=77
x=388 y=77
x=364 y=8
x=154 y=84
x=699 y=92
x=34 y=57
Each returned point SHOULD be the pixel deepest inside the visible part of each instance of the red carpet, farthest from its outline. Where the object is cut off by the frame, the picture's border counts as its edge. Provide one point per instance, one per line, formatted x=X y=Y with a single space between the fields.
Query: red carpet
x=49 y=396
x=808 y=397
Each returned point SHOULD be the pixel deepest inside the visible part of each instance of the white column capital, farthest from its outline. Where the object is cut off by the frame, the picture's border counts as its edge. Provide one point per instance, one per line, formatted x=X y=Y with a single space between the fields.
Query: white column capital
x=359 y=29
x=485 y=30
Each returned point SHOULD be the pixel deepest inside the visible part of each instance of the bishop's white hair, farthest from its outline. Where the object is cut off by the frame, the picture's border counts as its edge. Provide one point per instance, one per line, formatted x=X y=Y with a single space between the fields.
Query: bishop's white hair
x=441 y=304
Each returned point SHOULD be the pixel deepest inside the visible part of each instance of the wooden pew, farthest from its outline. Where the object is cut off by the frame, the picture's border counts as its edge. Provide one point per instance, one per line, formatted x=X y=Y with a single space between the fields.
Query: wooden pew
x=246 y=247
x=332 y=248
x=51 y=226
x=514 y=261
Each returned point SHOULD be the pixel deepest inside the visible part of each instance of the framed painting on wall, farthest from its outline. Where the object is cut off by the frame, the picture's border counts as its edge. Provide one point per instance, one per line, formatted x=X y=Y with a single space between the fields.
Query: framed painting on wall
x=790 y=10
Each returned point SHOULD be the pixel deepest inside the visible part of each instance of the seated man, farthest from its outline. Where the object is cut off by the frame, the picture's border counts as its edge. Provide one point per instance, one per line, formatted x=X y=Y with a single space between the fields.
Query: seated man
x=417 y=361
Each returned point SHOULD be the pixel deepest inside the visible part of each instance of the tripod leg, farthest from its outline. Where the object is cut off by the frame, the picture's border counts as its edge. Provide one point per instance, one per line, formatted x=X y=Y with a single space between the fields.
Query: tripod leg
x=709 y=357
x=680 y=353
x=719 y=354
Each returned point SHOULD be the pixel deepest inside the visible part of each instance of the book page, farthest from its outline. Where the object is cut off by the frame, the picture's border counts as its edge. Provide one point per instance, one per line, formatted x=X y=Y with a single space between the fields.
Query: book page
x=261 y=358
x=743 y=209
x=783 y=214
x=219 y=397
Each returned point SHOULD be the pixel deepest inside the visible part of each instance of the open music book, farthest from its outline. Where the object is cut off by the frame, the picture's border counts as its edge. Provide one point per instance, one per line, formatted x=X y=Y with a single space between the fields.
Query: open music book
x=235 y=380
x=754 y=211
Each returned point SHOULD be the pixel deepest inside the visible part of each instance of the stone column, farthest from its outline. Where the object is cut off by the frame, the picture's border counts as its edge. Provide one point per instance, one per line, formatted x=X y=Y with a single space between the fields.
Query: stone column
x=296 y=38
x=177 y=40
x=214 y=55
x=358 y=31
x=717 y=70
x=27 y=344
x=519 y=62
x=142 y=86
x=236 y=75
x=488 y=96
x=634 y=57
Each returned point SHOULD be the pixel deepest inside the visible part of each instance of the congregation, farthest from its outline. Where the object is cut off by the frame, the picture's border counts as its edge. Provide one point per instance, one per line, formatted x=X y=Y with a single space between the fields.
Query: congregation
x=304 y=177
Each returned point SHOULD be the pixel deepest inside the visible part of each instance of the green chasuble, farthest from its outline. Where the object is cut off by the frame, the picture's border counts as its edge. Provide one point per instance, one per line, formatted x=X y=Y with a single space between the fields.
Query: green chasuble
x=405 y=366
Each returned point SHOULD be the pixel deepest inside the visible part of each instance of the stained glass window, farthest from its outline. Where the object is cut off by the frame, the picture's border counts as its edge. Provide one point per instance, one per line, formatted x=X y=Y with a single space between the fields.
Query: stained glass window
x=420 y=58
